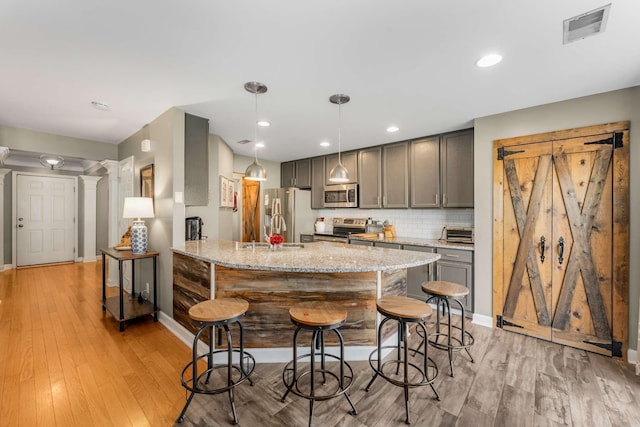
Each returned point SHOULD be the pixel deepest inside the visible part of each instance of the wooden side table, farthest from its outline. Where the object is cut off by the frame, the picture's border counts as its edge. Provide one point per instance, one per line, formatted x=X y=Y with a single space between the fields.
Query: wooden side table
x=128 y=308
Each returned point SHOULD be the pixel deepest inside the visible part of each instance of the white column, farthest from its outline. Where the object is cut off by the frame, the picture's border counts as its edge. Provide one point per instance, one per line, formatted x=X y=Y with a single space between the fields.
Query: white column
x=89 y=194
x=3 y=172
x=112 y=167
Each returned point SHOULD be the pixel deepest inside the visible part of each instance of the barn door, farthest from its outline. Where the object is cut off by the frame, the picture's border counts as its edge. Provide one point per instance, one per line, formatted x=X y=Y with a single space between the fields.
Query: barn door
x=556 y=244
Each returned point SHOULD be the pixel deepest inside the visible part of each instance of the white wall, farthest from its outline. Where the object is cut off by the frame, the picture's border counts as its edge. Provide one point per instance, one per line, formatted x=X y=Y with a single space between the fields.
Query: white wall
x=586 y=111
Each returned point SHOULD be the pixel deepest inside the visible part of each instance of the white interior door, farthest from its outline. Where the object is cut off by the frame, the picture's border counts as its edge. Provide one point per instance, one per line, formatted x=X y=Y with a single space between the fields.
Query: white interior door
x=45 y=219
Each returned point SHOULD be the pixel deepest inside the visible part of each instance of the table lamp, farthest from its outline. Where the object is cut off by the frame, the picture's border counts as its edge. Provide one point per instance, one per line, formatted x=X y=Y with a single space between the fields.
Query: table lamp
x=138 y=208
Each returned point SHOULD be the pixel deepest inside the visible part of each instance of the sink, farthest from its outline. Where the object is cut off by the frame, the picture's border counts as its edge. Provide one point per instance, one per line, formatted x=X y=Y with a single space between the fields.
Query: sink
x=267 y=246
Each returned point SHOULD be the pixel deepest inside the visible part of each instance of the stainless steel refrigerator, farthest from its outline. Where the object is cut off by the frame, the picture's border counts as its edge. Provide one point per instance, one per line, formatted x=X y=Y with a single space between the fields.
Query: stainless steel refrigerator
x=287 y=211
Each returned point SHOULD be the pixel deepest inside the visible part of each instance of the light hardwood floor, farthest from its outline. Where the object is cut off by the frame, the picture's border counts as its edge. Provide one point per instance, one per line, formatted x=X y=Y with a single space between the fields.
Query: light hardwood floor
x=64 y=363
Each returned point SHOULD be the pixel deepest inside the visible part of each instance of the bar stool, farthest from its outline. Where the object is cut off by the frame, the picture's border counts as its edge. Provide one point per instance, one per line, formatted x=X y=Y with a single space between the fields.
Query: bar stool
x=318 y=317
x=220 y=313
x=404 y=310
x=442 y=294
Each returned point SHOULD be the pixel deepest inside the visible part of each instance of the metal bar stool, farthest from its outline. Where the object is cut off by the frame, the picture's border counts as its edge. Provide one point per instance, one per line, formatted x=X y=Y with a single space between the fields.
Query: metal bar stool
x=442 y=294
x=220 y=313
x=404 y=310
x=318 y=317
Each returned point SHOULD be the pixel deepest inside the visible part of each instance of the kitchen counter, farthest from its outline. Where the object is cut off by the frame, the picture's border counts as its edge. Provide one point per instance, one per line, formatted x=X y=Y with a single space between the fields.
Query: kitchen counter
x=316 y=257
x=433 y=243
x=272 y=281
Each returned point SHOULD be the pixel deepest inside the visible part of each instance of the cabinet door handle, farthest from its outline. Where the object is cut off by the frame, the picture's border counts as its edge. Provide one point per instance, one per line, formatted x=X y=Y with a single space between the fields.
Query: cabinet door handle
x=444 y=199
x=561 y=250
x=542 y=241
x=437 y=198
x=378 y=201
x=452 y=255
x=384 y=200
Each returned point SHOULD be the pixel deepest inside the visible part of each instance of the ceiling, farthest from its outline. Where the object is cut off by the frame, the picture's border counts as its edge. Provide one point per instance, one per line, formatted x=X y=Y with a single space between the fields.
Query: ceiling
x=408 y=63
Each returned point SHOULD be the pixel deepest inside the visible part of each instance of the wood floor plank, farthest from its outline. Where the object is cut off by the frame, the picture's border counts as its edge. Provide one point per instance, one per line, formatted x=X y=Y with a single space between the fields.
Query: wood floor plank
x=552 y=399
x=549 y=358
x=516 y=408
x=620 y=402
x=585 y=400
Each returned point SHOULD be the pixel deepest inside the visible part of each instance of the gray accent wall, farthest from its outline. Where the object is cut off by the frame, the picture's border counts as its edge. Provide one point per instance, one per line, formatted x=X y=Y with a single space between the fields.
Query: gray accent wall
x=620 y=105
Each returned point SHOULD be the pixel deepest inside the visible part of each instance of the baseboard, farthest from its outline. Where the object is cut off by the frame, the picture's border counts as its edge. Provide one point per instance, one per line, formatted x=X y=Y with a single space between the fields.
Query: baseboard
x=482 y=320
x=90 y=259
x=270 y=355
x=7 y=267
x=632 y=356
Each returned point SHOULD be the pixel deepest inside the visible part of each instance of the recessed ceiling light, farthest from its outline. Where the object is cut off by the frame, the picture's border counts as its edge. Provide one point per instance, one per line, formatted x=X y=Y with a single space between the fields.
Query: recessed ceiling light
x=260 y=144
x=324 y=144
x=489 y=60
x=393 y=129
x=100 y=106
x=263 y=123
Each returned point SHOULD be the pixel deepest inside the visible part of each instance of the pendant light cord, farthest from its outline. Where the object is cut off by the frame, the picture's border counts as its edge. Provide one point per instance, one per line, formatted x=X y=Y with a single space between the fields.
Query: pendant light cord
x=255 y=131
x=339 y=131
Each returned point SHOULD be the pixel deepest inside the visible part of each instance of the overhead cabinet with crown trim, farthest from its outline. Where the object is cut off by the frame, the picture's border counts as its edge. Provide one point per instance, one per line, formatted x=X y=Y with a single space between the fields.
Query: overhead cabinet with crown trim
x=296 y=173
x=442 y=171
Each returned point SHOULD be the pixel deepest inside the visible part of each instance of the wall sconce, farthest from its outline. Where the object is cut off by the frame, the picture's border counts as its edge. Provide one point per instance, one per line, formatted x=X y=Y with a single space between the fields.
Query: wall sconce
x=145 y=145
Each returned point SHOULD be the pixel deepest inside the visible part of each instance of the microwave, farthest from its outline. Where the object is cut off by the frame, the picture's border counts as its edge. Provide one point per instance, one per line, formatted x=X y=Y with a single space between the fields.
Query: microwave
x=340 y=196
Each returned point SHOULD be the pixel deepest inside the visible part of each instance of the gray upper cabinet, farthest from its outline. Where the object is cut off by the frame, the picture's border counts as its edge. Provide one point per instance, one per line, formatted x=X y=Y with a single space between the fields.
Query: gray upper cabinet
x=384 y=176
x=317 y=183
x=196 y=158
x=370 y=177
x=349 y=161
x=395 y=175
x=296 y=174
x=456 y=163
x=425 y=173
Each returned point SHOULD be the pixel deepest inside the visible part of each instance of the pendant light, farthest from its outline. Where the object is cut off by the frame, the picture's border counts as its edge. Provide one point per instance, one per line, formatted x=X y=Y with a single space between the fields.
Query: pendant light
x=339 y=173
x=255 y=171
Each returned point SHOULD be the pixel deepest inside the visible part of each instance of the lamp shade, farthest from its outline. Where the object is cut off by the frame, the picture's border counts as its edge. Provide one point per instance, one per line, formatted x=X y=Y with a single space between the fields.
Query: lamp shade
x=138 y=207
x=255 y=172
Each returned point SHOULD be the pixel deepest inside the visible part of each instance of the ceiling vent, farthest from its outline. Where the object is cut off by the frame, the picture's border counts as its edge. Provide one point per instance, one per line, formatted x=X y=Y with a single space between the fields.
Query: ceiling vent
x=585 y=25
x=244 y=141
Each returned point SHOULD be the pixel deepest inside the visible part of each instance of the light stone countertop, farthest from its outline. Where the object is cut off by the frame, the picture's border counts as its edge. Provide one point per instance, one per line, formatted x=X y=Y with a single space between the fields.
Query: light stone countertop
x=321 y=257
x=434 y=243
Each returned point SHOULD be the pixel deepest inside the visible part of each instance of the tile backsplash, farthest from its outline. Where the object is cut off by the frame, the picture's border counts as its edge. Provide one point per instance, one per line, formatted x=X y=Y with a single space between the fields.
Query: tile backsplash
x=420 y=223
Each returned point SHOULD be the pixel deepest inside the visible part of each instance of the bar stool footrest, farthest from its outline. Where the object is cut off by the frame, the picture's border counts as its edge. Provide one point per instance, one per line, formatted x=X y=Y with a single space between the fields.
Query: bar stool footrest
x=426 y=378
x=461 y=343
x=292 y=384
x=245 y=371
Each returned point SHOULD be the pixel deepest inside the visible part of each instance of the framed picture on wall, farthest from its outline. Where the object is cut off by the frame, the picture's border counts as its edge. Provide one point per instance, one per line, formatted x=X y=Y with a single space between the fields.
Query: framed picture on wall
x=226 y=192
x=146 y=182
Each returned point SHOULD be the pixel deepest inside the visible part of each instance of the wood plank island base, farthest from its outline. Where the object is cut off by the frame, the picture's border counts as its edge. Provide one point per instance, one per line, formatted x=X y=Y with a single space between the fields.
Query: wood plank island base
x=272 y=281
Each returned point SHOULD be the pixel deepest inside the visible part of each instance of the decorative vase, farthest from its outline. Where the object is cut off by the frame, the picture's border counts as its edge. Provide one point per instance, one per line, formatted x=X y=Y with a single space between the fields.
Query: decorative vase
x=139 y=238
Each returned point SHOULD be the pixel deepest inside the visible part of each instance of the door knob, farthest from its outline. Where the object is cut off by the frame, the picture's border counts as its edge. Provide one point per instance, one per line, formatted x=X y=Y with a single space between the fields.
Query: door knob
x=20 y=225
x=20 y=219
x=561 y=251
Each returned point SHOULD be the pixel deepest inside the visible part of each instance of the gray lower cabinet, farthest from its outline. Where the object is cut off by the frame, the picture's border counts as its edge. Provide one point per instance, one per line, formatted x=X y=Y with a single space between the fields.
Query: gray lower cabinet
x=349 y=161
x=196 y=160
x=361 y=242
x=416 y=276
x=456 y=266
x=317 y=182
x=296 y=174
x=387 y=245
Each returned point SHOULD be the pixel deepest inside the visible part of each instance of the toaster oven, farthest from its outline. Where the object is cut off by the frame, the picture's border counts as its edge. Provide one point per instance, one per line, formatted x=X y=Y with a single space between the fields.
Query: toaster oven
x=455 y=234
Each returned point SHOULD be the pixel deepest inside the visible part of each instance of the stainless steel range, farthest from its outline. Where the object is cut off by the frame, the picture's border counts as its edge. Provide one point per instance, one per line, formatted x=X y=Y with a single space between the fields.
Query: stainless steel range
x=342 y=228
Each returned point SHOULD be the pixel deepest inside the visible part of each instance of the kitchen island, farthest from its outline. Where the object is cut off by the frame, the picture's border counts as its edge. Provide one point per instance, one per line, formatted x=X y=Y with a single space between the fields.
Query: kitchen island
x=274 y=280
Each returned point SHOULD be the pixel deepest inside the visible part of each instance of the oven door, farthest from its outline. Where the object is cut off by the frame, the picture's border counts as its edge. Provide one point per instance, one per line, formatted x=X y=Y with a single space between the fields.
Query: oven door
x=329 y=238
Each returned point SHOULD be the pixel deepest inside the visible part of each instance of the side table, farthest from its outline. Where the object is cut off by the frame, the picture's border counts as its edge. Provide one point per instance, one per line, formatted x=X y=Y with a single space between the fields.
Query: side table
x=128 y=308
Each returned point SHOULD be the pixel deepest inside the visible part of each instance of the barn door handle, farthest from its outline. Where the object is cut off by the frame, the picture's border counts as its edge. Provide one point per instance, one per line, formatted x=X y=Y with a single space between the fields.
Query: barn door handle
x=561 y=252
x=542 y=247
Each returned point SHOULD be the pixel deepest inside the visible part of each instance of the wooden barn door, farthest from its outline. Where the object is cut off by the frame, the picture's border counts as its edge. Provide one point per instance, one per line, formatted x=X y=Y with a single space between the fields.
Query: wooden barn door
x=561 y=234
